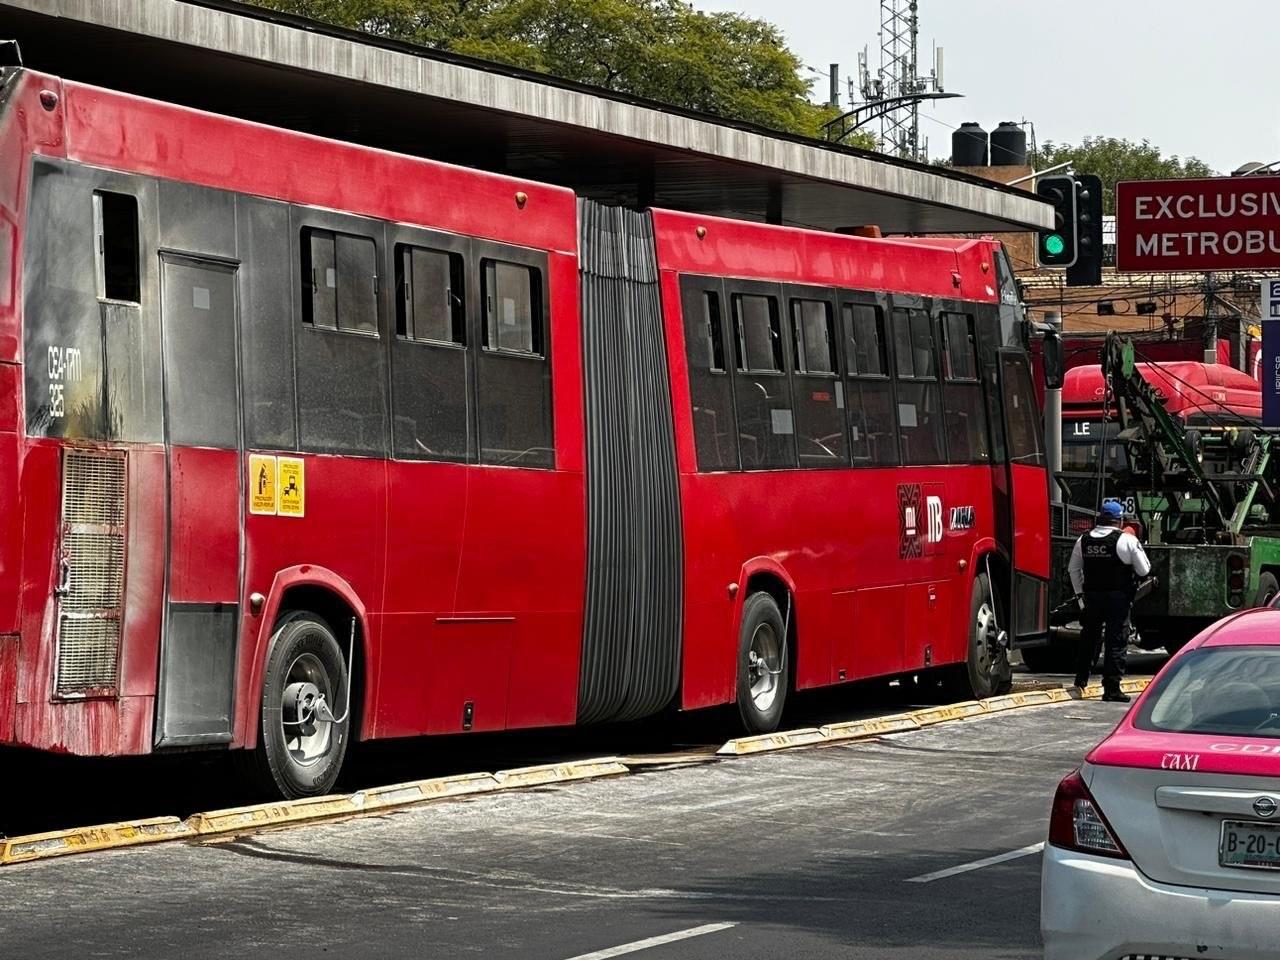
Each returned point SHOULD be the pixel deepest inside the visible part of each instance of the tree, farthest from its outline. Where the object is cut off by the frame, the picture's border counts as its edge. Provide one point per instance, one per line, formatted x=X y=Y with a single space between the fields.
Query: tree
x=1114 y=159
x=726 y=64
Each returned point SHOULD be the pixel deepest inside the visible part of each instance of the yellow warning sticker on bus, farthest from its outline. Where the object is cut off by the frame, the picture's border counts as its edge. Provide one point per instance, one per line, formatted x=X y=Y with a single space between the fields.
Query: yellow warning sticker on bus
x=262 y=484
x=291 y=478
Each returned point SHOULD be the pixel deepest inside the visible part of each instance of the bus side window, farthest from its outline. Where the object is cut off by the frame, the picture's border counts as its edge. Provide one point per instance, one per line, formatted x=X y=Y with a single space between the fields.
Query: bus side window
x=430 y=382
x=962 y=399
x=339 y=281
x=115 y=221
x=872 y=426
x=819 y=393
x=514 y=376
x=766 y=423
x=919 y=397
x=341 y=363
x=715 y=425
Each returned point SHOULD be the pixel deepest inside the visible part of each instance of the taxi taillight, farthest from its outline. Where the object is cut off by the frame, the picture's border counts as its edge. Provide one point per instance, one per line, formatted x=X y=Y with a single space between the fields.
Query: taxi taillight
x=1076 y=823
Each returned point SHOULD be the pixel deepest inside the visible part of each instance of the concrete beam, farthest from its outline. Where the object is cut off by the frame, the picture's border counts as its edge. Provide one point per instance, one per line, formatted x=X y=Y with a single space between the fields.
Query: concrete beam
x=902 y=197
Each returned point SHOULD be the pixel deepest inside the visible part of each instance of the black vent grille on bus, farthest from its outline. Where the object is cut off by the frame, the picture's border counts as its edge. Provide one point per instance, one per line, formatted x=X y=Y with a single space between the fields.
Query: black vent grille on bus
x=632 y=627
x=90 y=571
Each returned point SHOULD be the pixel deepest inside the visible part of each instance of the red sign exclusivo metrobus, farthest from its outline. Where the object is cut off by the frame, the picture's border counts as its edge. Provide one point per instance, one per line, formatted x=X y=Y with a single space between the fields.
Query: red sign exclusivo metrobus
x=1219 y=223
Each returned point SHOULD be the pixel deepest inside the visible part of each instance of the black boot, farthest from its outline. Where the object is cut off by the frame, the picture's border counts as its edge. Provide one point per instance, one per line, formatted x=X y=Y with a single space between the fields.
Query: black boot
x=1082 y=680
x=1115 y=696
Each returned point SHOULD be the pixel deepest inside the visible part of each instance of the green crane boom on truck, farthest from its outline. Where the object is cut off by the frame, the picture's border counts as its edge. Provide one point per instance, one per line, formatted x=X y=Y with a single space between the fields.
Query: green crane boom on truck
x=1204 y=499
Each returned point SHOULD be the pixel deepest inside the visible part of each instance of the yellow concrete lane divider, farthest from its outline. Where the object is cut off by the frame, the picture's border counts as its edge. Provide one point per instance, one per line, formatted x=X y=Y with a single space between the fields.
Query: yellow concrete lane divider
x=916 y=719
x=264 y=816
x=108 y=836
x=238 y=820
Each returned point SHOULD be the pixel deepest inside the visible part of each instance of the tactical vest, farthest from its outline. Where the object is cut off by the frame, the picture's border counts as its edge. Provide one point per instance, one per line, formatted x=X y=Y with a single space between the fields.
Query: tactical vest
x=1103 y=569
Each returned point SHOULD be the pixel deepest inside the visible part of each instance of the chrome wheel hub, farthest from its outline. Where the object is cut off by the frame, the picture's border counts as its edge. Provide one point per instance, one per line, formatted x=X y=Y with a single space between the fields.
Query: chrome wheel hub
x=764 y=666
x=305 y=717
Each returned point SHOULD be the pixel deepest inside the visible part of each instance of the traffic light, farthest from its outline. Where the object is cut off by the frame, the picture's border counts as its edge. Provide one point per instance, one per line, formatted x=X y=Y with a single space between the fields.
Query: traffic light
x=1087 y=270
x=1057 y=247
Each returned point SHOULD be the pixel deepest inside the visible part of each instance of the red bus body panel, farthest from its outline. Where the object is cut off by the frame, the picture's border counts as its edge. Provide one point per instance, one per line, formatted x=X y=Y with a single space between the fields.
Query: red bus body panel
x=834 y=535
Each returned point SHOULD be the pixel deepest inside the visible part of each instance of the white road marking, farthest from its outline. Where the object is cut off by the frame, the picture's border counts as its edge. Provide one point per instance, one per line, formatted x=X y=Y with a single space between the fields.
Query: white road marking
x=978 y=864
x=655 y=941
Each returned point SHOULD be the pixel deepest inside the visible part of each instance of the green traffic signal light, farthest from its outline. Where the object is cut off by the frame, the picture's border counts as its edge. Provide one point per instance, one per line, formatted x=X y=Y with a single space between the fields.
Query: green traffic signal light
x=1054 y=245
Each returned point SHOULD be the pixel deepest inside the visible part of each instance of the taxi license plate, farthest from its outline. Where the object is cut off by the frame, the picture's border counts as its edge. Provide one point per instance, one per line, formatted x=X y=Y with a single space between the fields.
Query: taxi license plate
x=1250 y=844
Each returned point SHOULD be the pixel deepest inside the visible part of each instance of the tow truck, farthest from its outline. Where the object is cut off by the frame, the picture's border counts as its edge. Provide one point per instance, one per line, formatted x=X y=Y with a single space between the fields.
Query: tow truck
x=1205 y=500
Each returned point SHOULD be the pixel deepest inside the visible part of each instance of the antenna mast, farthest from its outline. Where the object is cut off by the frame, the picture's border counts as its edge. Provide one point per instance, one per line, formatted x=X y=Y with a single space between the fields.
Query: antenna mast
x=897 y=85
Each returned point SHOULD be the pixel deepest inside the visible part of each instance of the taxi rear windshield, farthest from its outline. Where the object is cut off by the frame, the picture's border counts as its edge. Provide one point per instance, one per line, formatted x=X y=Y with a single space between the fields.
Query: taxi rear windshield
x=1234 y=691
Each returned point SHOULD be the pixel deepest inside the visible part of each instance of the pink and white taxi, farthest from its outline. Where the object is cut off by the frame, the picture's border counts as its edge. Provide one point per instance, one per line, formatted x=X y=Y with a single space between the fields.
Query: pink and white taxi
x=1166 y=842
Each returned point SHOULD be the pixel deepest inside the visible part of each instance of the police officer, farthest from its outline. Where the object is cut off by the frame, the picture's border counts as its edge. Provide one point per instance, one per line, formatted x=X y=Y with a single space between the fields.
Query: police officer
x=1105 y=567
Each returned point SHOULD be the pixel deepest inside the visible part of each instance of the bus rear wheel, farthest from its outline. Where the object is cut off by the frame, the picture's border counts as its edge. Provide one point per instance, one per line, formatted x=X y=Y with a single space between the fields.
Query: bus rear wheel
x=764 y=670
x=305 y=719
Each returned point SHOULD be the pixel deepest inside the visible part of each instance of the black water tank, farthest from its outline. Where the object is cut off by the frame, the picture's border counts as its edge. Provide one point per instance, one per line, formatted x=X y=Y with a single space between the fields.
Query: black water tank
x=1008 y=145
x=969 y=146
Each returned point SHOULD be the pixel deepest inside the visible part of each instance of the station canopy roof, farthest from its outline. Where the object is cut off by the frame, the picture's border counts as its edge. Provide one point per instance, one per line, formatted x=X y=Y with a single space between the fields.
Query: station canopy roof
x=239 y=60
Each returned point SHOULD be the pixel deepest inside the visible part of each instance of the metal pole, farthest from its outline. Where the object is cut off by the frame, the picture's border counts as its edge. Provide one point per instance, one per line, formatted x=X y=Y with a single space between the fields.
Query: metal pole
x=1210 y=322
x=1053 y=421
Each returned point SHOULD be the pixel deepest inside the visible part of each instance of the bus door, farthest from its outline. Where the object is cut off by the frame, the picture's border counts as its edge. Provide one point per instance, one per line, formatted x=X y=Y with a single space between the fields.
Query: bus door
x=204 y=497
x=1025 y=490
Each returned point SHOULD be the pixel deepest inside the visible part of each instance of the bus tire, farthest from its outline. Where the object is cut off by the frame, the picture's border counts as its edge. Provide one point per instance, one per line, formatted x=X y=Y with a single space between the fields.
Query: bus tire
x=300 y=754
x=764 y=669
x=1268 y=587
x=986 y=671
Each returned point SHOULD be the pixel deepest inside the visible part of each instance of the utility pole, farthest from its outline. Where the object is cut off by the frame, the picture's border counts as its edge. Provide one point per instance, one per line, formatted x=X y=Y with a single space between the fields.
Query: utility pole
x=1053 y=421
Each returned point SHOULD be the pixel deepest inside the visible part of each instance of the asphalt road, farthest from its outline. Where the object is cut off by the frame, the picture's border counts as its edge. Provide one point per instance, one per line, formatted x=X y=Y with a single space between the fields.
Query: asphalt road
x=60 y=792
x=806 y=853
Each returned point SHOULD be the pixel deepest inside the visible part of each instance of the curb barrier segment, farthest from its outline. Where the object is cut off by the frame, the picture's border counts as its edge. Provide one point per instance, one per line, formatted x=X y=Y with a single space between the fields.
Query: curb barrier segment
x=422 y=791
x=952 y=711
x=872 y=727
x=112 y=836
x=668 y=760
x=108 y=836
x=560 y=773
x=766 y=742
x=262 y=815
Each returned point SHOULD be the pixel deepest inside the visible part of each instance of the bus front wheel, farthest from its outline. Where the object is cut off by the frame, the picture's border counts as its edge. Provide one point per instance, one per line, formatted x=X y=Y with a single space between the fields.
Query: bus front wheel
x=764 y=671
x=986 y=671
x=305 y=718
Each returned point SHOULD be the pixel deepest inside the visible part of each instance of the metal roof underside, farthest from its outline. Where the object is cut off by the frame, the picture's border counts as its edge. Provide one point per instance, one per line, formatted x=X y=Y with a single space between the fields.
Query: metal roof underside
x=220 y=56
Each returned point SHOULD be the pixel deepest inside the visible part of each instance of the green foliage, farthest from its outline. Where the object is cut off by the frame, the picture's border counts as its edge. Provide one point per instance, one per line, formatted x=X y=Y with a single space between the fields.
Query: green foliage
x=1114 y=159
x=726 y=64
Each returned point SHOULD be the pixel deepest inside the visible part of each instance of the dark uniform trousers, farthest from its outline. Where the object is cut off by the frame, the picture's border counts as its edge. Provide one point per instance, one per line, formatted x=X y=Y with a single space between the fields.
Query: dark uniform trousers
x=1108 y=595
x=1106 y=614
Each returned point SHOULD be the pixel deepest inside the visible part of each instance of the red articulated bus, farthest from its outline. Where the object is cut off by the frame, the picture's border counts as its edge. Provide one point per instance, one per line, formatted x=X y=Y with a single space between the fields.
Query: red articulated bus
x=305 y=442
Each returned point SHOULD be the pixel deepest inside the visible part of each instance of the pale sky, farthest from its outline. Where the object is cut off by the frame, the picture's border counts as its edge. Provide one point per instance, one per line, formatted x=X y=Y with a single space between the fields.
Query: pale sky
x=1193 y=77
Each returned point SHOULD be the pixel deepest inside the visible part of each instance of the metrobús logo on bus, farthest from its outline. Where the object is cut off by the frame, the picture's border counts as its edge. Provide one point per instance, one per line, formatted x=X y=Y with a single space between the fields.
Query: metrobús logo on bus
x=920 y=519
